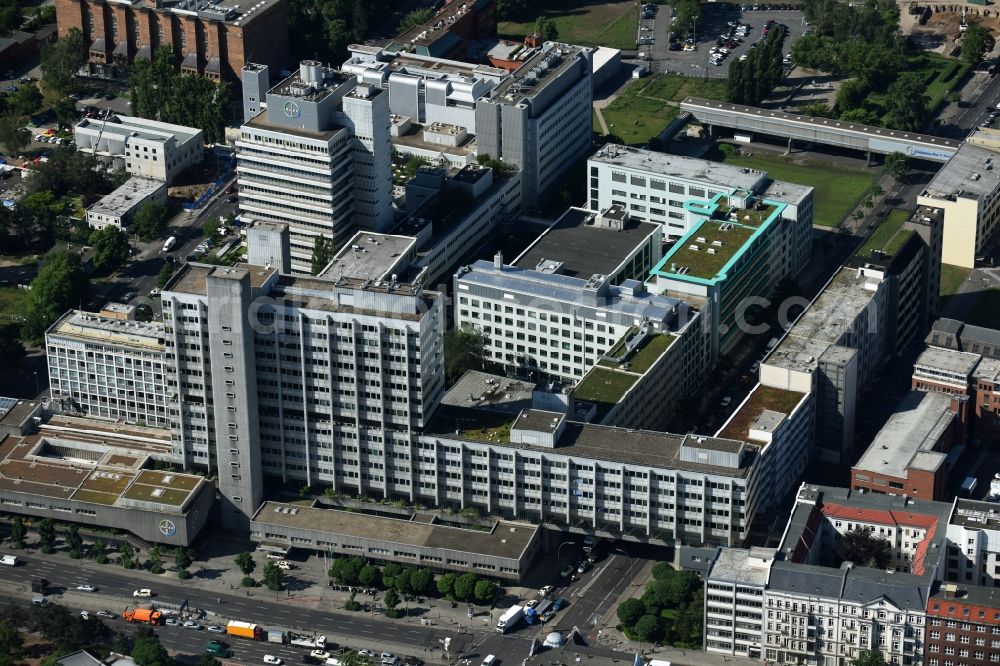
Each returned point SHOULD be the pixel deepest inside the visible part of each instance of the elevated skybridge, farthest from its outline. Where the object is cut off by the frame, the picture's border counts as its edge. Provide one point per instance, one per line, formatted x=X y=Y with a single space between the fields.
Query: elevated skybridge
x=829 y=131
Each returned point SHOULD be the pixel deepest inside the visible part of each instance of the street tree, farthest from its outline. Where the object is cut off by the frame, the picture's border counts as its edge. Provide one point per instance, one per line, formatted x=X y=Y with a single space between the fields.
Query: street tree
x=446 y=584
x=18 y=532
x=100 y=551
x=421 y=581
x=346 y=570
x=274 y=577
x=391 y=599
x=63 y=59
x=164 y=275
x=322 y=253
x=60 y=285
x=629 y=612
x=369 y=576
x=245 y=563
x=150 y=220
x=484 y=591
x=183 y=557
x=649 y=628
x=402 y=581
x=353 y=658
x=976 y=43
x=465 y=586
x=111 y=249
x=869 y=658
x=389 y=573
x=147 y=650
x=155 y=560
x=897 y=165
x=128 y=555
x=47 y=535
x=74 y=542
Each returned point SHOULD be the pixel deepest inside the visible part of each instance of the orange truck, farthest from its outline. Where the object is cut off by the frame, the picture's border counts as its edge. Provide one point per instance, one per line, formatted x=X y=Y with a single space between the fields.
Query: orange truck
x=144 y=615
x=245 y=630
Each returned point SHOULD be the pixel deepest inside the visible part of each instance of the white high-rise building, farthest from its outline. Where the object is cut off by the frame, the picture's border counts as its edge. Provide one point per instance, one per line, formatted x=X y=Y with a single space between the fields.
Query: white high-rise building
x=316 y=157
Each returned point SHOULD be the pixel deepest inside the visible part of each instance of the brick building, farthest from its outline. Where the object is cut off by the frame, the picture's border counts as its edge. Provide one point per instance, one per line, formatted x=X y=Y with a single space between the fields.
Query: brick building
x=215 y=40
x=963 y=626
x=972 y=379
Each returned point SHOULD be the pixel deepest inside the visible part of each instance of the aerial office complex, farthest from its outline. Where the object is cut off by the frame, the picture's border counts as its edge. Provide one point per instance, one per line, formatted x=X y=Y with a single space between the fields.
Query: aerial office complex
x=143 y=147
x=116 y=209
x=208 y=38
x=538 y=117
x=316 y=156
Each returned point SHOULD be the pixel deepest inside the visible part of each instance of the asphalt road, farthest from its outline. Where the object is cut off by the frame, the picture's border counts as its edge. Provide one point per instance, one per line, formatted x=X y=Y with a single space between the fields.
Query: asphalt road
x=115 y=593
x=980 y=96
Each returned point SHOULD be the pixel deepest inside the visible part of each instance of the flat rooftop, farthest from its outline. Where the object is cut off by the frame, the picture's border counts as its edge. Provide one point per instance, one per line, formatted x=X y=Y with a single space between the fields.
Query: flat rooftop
x=595 y=442
x=481 y=390
x=785 y=192
x=836 y=308
x=262 y=121
x=132 y=193
x=664 y=165
x=970 y=173
x=531 y=77
x=914 y=428
x=14 y=411
x=742 y=566
x=93 y=467
x=90 y=327
x=948 y=360
x=975 y=515
x=763 y=399
x=505 y=539
x=371 y=256
x=585 y=249
x=706 y=251
x=801 y=354
x=140 y=128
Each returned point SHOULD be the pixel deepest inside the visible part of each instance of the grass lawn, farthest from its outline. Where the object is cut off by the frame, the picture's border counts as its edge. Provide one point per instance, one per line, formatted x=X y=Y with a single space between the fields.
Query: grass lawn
x=837 y=189
x=986 y=311
x=887 y=237
x=940 y=75
x=952 y=278
x=637 y=117
x=13 y=302
x=612 y=24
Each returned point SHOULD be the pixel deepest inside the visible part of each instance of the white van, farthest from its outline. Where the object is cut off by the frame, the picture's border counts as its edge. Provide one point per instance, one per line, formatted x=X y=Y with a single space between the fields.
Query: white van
x=490 y=660
x=39 y=600
x=170 y=243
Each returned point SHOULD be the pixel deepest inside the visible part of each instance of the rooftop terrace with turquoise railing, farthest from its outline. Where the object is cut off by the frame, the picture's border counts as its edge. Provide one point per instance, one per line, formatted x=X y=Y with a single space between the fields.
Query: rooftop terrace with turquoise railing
x=712 y=246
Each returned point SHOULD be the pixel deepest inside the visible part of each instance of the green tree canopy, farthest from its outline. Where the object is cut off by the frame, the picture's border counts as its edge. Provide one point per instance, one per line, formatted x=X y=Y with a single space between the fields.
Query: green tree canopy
x=976 y=43
x=346 y=570
x=245 y=563
x=11 y=349
x=464 y=349
x=150 y=220
x=511 y=10
x=18 y=531
x=869 y=658
x=63 y=59
x=864 y=548
x=421 y=581
x=274 y=577
x=446 y=584
x=897 y=165
x=111 y=249
x=648 y=628
x=906 y=103
x=629 y=612
x=147 y=650
x=391 y=599
x=60 y=285
x=322 y=253
x=546 y=27
x=13 y=135
x=128 y=555
x=26 y=100
x=415 y=18
x=465 y=586
x=369 y=575
x=484 y=591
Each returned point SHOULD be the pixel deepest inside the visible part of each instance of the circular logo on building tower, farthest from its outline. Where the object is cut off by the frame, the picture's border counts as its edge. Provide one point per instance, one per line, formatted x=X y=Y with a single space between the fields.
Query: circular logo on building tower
x=292 y=109
x=168 y=528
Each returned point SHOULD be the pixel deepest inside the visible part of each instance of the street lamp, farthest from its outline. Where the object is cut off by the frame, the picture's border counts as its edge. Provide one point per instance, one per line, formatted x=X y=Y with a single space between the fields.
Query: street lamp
x=559 y=549
x=36 y=384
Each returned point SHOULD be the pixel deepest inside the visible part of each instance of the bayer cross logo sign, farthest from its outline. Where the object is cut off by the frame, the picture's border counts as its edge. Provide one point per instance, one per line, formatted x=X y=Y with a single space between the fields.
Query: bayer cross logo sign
x=168 y=528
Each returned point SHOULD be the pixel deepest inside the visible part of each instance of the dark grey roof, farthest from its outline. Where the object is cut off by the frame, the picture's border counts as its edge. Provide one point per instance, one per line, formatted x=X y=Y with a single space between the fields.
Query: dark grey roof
x=989 y=336
x=697 y=558
x=947 y=325
x=904 y=591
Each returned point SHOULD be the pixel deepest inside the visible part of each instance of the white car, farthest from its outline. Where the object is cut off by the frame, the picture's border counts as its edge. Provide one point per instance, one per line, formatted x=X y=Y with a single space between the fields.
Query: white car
x=106 y=614
x=85 y=615
x=389 y=659
x=531 y=604
x=545 y=591
x=143 y=593
x=272 y=659
x=367 y=653
x=191 y=624
x=322 y=655
x=284 y=565
x=86 y=588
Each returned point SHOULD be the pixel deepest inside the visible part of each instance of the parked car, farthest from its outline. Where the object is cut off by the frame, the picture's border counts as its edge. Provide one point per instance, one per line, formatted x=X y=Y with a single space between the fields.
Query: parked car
x=106 y=614
x=129 y=295
x=559 y=604
x=215 y=629
x=284 y=565
x=389 y=659
x=531 y=604
x=272 y=659
x=583 y=566
x=545 y=591
x=85 y=614
x=567 y=571
x=191 y=624
x=172 y=622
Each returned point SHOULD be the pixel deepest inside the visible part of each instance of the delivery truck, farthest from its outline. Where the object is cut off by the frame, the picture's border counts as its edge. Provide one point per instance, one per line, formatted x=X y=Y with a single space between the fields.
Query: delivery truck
x=510 y=618
x=143 y=615
x=245 y=630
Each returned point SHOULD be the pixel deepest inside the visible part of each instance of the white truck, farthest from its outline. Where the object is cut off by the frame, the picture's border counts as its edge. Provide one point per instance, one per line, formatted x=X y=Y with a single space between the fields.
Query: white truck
x=510 y=618
x=307 y=641
x=169 y=243
x=9 y=560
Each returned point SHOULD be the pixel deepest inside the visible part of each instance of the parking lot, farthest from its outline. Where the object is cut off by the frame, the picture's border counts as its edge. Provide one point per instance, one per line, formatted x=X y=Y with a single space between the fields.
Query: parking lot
x=713 y=23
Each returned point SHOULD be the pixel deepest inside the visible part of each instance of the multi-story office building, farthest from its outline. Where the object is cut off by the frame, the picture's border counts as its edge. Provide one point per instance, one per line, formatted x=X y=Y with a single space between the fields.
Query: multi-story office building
x=97 y=474
x=909 y=455
x=537 y=117
x=108 y=367
x=971 y=380
x=298 y=378
x=555 y=326
x=959 y=336
x=833 y=350
x=144 y=148
x=653 y=186
x=738 y=247
x=448 y=32
x=908 y=252
x=208 y=38
x=116 y=209
x=734 y=601
x=967 y=190
x=316 y=157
